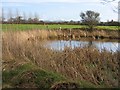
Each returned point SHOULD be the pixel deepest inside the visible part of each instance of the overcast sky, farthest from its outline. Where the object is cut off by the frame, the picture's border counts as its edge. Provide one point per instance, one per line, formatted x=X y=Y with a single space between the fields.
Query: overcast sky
x=60 y=9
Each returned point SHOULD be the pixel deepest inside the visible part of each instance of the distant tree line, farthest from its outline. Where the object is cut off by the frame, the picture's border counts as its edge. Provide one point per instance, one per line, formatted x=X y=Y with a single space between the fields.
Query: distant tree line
x=20 y=20
x=109 y=23
x=23 y=19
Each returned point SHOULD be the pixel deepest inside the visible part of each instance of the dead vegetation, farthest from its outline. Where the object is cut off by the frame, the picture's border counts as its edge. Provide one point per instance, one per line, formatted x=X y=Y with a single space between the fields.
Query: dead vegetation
x=79 y=64
x=67 y=86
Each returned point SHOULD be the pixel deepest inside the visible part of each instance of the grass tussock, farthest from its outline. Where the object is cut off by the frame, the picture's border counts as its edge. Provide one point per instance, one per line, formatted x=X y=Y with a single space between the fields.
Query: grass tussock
x=30 y=76
x=87 y=66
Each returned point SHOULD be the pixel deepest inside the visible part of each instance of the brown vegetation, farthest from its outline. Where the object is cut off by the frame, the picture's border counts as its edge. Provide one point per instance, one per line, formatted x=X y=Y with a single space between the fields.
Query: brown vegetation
x=79 y=64
x=67 y=86
x=95 y=34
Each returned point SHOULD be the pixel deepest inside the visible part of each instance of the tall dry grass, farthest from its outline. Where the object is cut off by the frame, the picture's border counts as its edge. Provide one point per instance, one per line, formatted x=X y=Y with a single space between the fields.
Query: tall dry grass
x=96 y=34
x=79 y=64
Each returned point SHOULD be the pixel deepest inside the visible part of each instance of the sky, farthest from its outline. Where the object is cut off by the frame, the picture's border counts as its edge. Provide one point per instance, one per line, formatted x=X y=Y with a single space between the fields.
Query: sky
x=57 y=10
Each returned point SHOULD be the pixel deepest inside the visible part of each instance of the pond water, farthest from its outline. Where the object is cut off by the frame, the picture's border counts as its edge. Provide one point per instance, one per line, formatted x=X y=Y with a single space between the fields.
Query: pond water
x=61 y=44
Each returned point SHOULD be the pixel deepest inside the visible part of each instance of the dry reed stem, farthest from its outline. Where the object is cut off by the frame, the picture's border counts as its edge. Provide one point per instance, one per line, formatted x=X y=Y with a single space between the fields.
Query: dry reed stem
x=99 y=68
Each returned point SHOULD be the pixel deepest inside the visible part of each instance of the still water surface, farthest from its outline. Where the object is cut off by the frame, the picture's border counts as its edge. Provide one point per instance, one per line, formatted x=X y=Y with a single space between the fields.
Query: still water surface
x=61 y=44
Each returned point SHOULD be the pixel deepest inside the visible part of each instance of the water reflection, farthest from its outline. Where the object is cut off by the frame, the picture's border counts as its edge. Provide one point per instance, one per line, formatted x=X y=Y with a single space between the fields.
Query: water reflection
x=61 y=44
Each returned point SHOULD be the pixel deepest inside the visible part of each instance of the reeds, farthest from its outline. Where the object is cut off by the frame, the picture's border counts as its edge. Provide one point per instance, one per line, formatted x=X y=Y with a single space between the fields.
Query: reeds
x=78 y=64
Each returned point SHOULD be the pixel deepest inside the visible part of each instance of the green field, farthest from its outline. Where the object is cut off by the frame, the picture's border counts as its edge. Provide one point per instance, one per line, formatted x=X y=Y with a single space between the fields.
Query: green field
x=54 y=26
x=108 y=27
x=34 y=27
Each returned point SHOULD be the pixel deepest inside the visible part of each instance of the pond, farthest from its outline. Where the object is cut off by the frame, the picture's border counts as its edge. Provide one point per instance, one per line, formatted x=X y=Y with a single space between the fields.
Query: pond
x=61 y=44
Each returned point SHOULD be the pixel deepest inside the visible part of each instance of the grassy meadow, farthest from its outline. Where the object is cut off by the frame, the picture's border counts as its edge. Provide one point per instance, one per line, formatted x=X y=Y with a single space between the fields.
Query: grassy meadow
x=23 y=27
x=26 y=63
x=37 y=26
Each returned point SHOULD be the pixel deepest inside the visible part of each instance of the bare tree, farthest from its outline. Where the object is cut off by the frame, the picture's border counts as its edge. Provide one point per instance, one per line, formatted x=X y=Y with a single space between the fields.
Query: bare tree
x=18 y=17
x=114 y=8
x=36 y=18
x=90 y=18
x=2 y=17
x=10 y=16
x=24 y=17
x=30 y=19
x=17 y=12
